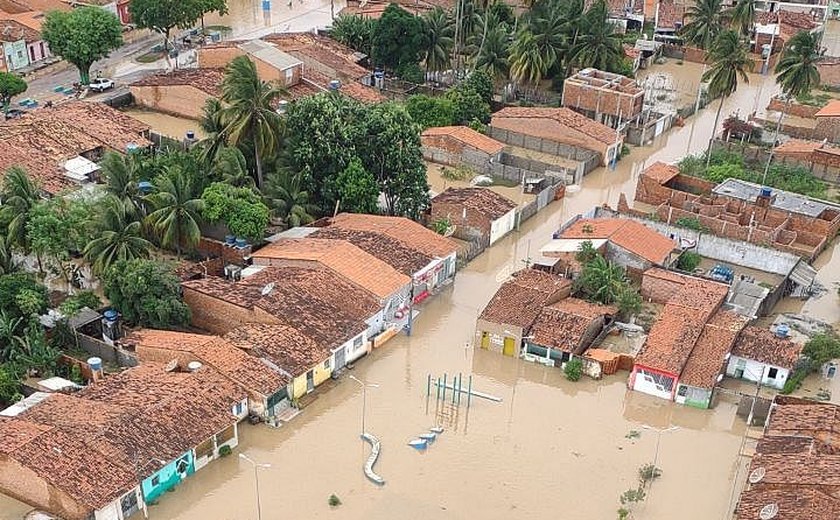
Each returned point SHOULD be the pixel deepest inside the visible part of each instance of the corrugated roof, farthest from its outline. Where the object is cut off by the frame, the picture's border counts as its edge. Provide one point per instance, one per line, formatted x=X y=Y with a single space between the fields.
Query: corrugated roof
x=270 y=54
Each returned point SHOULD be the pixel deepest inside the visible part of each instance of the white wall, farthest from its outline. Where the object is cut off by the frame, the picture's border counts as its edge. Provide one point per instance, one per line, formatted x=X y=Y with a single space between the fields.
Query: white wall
x=353 y=349
x=644 y=385
x=755 y=371
x=502 y=226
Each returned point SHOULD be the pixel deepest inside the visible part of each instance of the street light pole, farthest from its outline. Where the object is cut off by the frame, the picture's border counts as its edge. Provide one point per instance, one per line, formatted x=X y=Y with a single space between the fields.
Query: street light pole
x=256 y=480
x=364 y=397
x=659 y=432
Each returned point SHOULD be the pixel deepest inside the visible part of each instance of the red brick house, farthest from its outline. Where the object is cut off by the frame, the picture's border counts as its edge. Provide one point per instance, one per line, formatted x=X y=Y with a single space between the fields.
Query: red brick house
x=477 y=213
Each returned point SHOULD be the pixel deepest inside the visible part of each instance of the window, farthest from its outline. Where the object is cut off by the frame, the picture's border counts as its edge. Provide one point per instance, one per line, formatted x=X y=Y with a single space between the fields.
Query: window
x=683 y=391
x=773 y=373
x=156 y=481
x=238 y=408
x=357 y=342
x=327 y=364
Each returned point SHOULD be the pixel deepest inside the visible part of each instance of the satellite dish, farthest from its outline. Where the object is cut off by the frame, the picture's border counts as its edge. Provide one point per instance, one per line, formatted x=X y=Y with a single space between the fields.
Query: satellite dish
x=171 y=366
x=769 y=512
x=756 y=475
x=267 y=289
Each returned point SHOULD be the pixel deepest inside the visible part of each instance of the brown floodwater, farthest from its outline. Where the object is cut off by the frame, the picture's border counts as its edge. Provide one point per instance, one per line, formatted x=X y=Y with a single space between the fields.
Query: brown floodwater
x=550 y=449
x=247 y=18
x=172 y=126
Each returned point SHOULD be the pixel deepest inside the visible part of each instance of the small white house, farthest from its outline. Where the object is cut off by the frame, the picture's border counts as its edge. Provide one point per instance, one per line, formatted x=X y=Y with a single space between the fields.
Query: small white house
x=475 y=213
x=759 y=355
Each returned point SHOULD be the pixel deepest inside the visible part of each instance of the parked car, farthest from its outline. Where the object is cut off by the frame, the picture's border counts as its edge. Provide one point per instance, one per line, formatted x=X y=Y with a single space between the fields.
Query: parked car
x=14 y=113
x=101 y=84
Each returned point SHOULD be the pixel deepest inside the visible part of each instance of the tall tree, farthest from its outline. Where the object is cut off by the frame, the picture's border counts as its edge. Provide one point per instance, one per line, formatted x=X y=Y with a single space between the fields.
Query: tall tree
x=122 y=176
x=602 y=280
x=82 y=36
x=213 y=127
x=162 y=16
x=10 y=86
x=288 y=201
x=177 y=210
x=705 y=23
x=117 y=236
x=438 y=27
x=19 y=194
x=56 y=229
x=398 y=40
x=249 y=114
x=742 y=16
x=357 y=189
x=354 y=31
x=598 y=45
x=728 y=63
x=492 y=54
x=240 y=209
x=146 y=293
x=527 y=63
x=231 y=168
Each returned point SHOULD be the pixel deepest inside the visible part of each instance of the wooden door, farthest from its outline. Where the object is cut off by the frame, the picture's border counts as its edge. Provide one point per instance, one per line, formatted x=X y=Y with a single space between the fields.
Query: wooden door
x=509 y=348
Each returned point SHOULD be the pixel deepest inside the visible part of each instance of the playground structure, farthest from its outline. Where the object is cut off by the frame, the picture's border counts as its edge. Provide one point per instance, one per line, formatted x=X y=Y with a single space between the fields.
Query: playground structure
x=457 y=389
x=374 y=454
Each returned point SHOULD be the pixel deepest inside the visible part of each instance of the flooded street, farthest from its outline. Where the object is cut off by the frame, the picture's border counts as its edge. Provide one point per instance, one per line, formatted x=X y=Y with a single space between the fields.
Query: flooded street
x=254 y=18
x=172 y=126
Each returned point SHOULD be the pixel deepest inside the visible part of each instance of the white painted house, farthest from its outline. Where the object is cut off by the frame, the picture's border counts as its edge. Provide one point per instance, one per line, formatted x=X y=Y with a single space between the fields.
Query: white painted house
x=759 y=355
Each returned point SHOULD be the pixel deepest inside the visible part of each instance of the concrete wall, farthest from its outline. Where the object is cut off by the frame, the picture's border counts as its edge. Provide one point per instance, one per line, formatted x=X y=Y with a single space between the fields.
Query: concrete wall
x=755 y=371
x=569 y=150
x=178 y=100
x=502 y=226
x=496 y=333
x=634 y=264
x=219 y=317
x=97 y=347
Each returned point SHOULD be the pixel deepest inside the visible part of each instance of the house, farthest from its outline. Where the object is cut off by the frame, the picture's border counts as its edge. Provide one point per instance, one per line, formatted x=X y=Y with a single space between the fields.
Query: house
x=143 y=430
x=266 y=385
x=391 y=288
x=705 y=365
x=829 y=69
x=759 y=355
x=509 y=315
x=22 y=45
x=59 y=146
x=181 y=92
x=478 y=214
x=625 y=242
x=319 y=303
x=307 y=362
x=606 y=97
x=560 y=131
x=674 y=335
x=566 y=329
x=793 y=474
x=325 y=56
x=460 y=146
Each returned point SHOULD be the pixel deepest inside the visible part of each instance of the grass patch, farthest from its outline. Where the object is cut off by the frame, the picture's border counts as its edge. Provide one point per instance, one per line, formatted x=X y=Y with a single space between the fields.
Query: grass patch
x=150 y=57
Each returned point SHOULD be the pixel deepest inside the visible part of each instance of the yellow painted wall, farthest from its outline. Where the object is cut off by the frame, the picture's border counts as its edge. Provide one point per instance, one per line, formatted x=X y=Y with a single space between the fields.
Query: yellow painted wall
x=321 y=374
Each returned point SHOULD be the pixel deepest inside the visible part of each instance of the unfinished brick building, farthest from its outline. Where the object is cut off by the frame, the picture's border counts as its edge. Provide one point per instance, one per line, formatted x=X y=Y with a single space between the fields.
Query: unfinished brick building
x=739 y=210
x=611 y=99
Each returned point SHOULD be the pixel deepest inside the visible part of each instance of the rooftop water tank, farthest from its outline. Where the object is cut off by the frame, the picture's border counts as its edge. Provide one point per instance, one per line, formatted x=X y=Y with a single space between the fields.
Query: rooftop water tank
x=766 y=191
x=782 y=330
x=110 y=315
x=192 y=366
x=95 y=363
x=335 y=85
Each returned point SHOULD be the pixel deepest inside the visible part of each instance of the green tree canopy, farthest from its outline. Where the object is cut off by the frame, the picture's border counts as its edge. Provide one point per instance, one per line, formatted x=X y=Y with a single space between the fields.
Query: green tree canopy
x=796 y=71
x=439 y=31
x=429 y=111
x=162 y=16
x=57 y=228
x=177 y=210
x=357 y=189
x=705 y=23
x=18 y=287
x=288 y=201
x=240 y=209
x=354 y=31
x=398 y=39
x=146 y=293
x=82 y=36
x=118 y=235
x=10 y=86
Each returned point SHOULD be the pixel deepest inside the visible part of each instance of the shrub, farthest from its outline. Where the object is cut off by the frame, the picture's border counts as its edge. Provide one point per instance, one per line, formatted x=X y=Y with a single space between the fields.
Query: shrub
x=458 y=173
x=441 y=226
x=334 y=501
x=73 y=304
x=689 y=223
x=649 y=472
x=629 y=302
x=688 y=261
x=821 y=349
x=224 y=451
x=573 y=369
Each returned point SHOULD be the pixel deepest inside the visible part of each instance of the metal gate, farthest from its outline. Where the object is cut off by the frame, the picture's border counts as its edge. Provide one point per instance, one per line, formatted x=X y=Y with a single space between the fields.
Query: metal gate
x=340 y=358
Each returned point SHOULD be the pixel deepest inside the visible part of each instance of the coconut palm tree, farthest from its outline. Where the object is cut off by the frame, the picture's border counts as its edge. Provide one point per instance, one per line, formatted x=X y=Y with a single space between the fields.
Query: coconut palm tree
x=19 y=194
x=177 y=210
x=119 y=236
x=248 y=114
x=289 y=203
x=122 y=175
x=7 y=261
x=602 y=280
x=527 y=63
x=598 y=45
x=741 y=17
x=231 y=168
x=705 y=23
x=492 y=55
x=728 y=62
x=548 y=30
x=439 y=31
x=213 y=128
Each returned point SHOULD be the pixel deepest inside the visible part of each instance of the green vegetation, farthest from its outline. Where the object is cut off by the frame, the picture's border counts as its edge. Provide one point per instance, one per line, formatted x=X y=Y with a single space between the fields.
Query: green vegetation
x=82 y=36
x=441 y=226
x=457 y=173
x=647 y=473
x=818 y=351
x=398 y=42
x=10 y=86
x=162 y=16
x=78 y=301
x=688 y=261
x=240 y=209
x=334 y=501
x=225 y=451
x=146 y=293
x=689 y=223
x=602 y=281
x=573 y=369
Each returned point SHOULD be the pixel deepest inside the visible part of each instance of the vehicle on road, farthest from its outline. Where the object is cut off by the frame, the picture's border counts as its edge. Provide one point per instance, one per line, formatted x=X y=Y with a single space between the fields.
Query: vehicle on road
x=101 y=84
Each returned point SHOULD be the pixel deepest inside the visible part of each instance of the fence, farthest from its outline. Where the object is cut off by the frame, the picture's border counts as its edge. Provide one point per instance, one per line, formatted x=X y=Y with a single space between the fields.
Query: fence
x=542 y=200
x=98 y=348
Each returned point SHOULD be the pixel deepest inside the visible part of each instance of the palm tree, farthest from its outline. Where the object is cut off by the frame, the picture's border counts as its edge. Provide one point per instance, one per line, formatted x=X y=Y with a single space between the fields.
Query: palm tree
x=704 y=23
x=7 y=261
x=213 y=128
x=548 y=30
x=728 y=62
x=288 y=202
x=177 y=210
x=19 y=194
x=119 y=236
x=492 y=56
x=439 y=40
x=122 y=175
x=248 y=114
x=598 y=45
x=797 y=74
x=231 y=168
x=602 y=280
x=741 y=16
x=527 y=64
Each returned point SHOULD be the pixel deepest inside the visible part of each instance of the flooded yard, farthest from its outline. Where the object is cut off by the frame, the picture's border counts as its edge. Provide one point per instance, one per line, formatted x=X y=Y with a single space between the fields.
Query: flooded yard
x=172 y=126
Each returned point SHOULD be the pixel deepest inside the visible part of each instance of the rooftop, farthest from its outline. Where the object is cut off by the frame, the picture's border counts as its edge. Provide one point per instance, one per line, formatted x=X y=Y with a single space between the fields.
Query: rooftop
x=405 y=230
x=519 y=300
x=794 y=416
x=551 y=123
x=784 y=200
x=628 y=234
x=709 y=354
x=792 y=504
x=269 y=53
x=320 y=53
x=283 y=345
x=341 y=256
x=12 y=31
x=661 y=172
x=762 y=345
x=207 y=80
x=483 y=200
x=390 y=250
x=468 y=136
x=609 y=81
x=562 y=324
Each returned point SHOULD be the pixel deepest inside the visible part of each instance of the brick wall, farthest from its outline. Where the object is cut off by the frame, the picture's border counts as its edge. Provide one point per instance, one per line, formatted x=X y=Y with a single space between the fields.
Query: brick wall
x=220 y=317
x=468 y=227
x=827 y=128
x=23 y=484
x=601 y=101
x=795 y=109
x=217 y=57
x=177 y=100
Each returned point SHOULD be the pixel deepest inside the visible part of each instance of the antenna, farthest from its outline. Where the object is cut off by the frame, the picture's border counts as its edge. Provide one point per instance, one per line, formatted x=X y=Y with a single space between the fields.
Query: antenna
x=267 y=289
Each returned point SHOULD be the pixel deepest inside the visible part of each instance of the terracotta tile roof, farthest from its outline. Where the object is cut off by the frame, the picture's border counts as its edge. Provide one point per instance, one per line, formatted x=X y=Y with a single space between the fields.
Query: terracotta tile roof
x=12 y=31
x=550 y=123
x=832 y=109
x=14 y=433
x=391 y=251
x=661 y=172
x=519 y=300
x=631 y=52
x=664 y=274
x=797 y=146
x=207 y=80
x=788 y=444
x=562 y=324
x=247 y=371
x=792 y=416
x=283 y=345
x=320 y=53
x=784 y=470
x=793 y=503
x=65 y=411
x=763 y=346
x=483 y=200
x=829 y=70
x=405 y=230
x=628 y=234
x=709 y=354
x=234 y=293
x=341 y=256
x=349 y=88
x=468 y=136
x=300 y=91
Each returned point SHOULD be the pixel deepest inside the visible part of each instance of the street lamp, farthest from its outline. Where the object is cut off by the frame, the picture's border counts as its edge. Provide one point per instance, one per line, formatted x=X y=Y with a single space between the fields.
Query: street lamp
x=256 y=480
x=364 y=397
x=659 y=432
